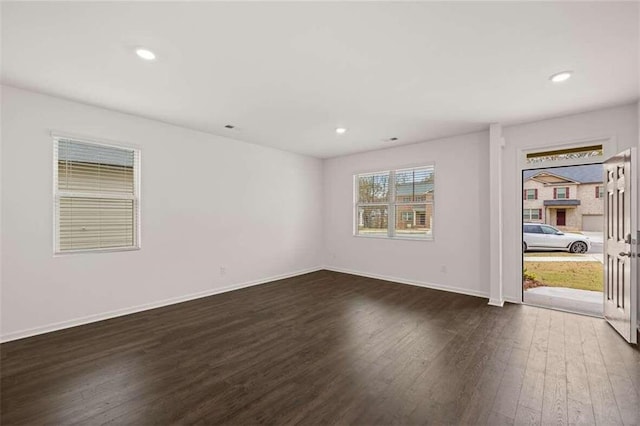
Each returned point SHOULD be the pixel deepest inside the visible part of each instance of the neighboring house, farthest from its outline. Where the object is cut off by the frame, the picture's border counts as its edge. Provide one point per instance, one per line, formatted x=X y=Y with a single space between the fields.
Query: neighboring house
x=414 y=209
x=414 y=216
x=570 y=198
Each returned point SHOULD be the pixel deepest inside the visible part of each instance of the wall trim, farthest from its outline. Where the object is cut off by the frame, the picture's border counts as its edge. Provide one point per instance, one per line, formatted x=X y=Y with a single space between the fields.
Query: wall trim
x=21 y=334
x=512 y=300
x=459 y=290
x=609 y=147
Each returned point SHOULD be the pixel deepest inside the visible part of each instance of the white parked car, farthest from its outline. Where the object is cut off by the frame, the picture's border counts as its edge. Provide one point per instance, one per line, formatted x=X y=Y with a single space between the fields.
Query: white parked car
x=537 y=236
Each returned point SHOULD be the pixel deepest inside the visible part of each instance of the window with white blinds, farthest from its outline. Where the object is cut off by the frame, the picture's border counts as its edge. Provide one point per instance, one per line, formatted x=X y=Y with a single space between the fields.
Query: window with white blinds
x=395 y=203
x=96 y=196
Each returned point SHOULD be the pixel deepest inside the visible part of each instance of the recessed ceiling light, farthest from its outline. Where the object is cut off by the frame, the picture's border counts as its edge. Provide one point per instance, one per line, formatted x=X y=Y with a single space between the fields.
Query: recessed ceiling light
x=145 y=54
x=341 y=130
x=561 y=76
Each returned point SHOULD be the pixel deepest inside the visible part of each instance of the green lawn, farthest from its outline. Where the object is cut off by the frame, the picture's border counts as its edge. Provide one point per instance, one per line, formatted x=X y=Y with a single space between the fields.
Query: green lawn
x=580 y=275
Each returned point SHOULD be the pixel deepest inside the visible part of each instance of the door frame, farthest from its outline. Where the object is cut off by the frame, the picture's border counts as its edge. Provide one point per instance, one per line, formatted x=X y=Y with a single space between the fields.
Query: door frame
x=609 y=149
x=564 y=217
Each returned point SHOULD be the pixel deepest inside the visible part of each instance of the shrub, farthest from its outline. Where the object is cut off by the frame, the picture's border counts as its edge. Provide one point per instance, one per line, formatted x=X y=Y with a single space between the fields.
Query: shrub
x=528 y=275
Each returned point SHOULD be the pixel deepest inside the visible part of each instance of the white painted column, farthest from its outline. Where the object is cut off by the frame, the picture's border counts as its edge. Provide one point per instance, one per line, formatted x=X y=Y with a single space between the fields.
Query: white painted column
x=496 y=145
x=637 y=194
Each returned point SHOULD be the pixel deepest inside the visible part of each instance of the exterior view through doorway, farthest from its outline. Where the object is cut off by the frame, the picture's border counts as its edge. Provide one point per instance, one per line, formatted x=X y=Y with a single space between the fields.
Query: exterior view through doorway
x=563 y=234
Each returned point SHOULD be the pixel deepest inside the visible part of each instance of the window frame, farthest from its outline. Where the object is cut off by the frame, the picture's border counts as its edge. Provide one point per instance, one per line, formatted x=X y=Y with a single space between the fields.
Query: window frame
x=566 y=190
x=392 y=203
x=407 y=216
x=529 y=218
x=526 y=194
x=57 y=194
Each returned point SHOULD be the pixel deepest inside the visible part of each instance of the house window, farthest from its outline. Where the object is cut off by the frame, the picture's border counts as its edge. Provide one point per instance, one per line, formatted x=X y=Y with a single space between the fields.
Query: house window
x=531 y=214
x=96 y=196
x=530 y=194
x=561 y=193
x=600 y=191
x=395 y=203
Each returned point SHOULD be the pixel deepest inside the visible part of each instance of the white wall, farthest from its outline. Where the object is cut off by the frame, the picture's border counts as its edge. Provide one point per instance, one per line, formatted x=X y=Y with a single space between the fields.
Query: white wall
x=209 y=201
x=458 y=258
x=206 y=202
x=619 y=123
x=462 y=203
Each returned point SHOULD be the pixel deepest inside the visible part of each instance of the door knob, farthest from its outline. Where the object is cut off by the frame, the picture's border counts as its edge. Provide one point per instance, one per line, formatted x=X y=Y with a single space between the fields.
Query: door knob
x=623 y=254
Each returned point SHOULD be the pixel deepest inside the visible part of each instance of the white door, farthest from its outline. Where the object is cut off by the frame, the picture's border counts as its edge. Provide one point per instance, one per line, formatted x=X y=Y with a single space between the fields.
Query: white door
x=620 y=266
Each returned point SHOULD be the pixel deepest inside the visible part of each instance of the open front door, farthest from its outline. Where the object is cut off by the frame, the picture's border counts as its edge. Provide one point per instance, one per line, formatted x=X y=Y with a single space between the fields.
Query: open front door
x=620 y=264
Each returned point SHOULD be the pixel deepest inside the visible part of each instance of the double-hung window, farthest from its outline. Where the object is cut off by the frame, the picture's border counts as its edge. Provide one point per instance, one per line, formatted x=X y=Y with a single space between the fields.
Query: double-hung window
x=531 y=214
x=530 y=194
x=561 y=193
x=96 y=196
x=395 y=203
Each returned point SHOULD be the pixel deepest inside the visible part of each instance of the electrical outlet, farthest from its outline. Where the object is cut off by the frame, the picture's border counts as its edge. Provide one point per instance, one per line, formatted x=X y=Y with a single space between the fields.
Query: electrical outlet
x=443 y=269
x=223 y=270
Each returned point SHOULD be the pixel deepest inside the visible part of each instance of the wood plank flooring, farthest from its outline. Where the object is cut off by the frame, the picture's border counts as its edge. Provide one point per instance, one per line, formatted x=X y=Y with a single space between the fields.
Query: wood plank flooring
x=326 y=348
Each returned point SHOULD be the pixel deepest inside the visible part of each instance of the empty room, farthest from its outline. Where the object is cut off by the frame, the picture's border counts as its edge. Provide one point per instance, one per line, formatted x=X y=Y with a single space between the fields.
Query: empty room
x=353 y=213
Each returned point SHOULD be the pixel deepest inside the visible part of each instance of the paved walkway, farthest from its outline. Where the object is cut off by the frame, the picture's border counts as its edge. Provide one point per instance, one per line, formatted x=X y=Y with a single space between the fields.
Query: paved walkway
x=577 y=258
x=567 y=299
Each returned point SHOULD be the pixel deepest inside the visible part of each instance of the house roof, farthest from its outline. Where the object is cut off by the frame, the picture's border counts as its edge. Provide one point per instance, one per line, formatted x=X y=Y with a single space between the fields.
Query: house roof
x=408 y=188
x=591 y=173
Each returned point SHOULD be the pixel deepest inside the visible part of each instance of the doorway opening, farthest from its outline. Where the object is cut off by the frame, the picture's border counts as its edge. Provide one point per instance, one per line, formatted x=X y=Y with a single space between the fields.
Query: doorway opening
x=562 y=238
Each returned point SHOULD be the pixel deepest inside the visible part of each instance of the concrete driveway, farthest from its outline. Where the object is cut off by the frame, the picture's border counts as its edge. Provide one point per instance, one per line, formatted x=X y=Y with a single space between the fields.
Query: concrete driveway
x=597 y=242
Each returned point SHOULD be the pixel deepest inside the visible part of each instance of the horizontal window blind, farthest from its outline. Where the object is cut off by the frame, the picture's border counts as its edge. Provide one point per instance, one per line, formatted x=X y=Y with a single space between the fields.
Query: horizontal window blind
x=96 y=196
x=88 y=177
x=414 y=184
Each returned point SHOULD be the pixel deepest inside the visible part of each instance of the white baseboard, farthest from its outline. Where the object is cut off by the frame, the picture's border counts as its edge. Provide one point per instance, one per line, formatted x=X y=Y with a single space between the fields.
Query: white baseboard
x=496 y=302
x=144 y=307
x=451 y=289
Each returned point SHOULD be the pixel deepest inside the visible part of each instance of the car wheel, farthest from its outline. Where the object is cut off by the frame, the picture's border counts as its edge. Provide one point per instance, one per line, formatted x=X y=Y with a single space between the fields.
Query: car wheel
x=524 y=247
x=578 y=247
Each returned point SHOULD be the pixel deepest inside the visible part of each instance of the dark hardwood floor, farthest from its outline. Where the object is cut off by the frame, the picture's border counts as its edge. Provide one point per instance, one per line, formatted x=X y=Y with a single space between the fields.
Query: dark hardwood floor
x=326 y=348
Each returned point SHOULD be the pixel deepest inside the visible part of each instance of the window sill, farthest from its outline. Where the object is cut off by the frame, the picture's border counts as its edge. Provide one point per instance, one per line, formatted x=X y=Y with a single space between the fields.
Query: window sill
x=385 y=237
x=91 y=251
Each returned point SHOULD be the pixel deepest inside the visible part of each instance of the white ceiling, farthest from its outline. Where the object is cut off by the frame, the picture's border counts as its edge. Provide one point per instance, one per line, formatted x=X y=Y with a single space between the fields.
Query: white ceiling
x=288 y=74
